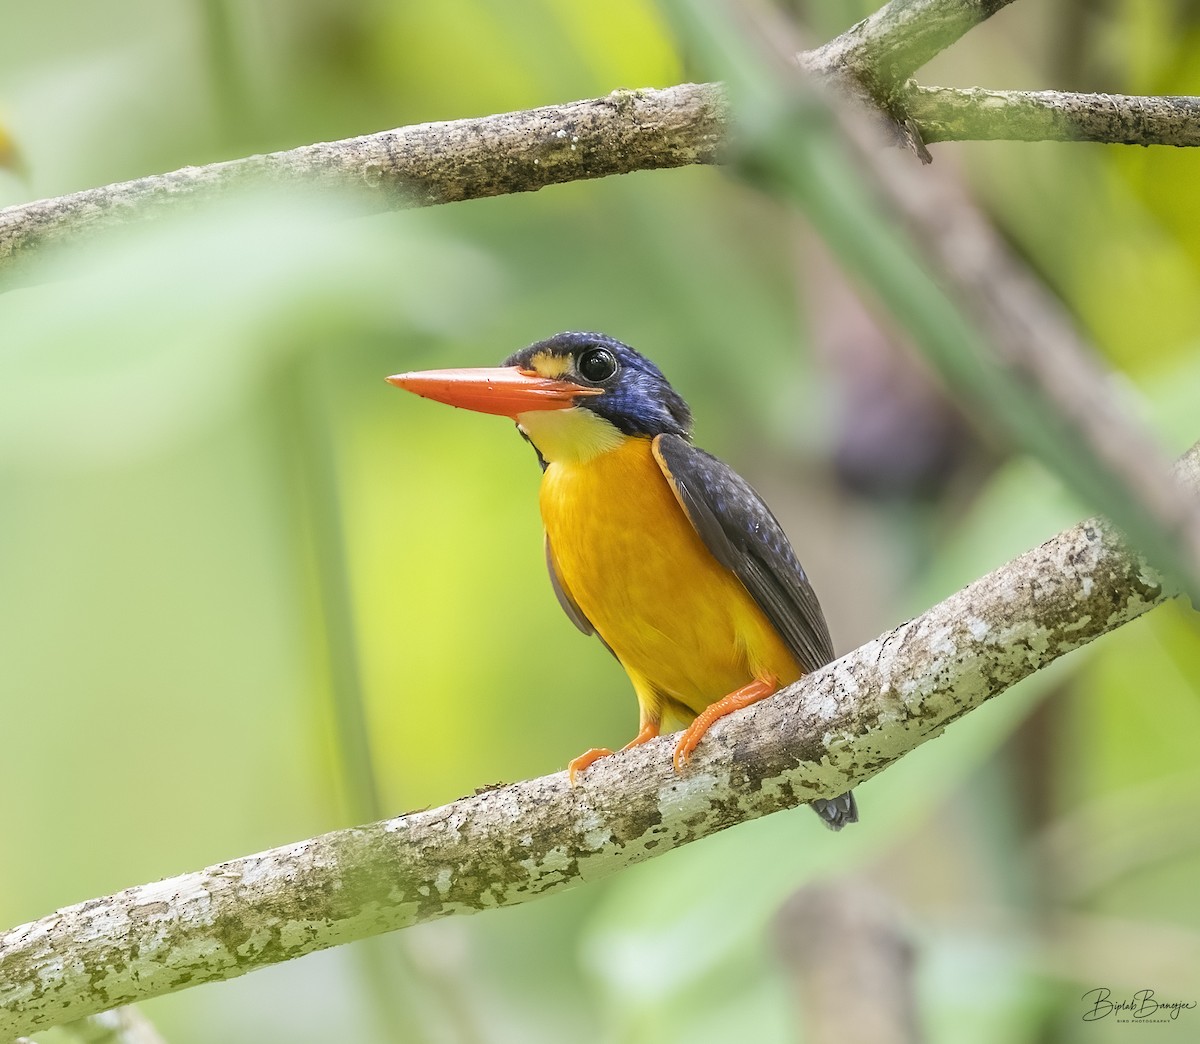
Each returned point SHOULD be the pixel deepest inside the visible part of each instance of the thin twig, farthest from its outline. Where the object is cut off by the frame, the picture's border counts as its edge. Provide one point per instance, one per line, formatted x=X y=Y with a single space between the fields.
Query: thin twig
x=973 y=114
x=831 y=730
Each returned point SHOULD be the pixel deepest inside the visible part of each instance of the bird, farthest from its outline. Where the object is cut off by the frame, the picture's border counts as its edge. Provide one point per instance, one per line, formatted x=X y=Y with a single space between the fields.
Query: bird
x=655 y=546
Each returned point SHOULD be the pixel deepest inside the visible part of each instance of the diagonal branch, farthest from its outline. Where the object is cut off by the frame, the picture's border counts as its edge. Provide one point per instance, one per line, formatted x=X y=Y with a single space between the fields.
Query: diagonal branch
x=833 y=729
x=1032 y=368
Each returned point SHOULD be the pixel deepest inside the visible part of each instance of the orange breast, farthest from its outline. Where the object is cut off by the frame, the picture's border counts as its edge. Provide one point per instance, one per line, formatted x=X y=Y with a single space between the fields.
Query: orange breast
x=681 y=624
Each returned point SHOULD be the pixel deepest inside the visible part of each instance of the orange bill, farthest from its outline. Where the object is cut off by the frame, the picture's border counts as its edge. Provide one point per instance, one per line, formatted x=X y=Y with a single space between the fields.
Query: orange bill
x=503 y=390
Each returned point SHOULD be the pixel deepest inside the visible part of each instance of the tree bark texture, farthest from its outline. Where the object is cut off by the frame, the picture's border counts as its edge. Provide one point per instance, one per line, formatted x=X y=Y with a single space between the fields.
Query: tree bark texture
x=416 y=166
x=830 y=731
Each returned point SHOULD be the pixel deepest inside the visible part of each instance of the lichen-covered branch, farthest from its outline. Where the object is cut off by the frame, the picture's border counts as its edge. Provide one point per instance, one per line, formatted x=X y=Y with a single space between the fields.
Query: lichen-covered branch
x=973 y=114
x=417 y=166
x=626 y=131
x=507 y=845
x=511 y=152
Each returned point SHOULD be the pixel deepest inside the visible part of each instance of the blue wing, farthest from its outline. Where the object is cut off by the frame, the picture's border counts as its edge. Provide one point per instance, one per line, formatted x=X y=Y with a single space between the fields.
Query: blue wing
x=742 y=534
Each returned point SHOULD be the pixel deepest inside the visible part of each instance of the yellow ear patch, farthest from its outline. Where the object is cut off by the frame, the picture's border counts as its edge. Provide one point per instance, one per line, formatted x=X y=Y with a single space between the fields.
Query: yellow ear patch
x=550 y=364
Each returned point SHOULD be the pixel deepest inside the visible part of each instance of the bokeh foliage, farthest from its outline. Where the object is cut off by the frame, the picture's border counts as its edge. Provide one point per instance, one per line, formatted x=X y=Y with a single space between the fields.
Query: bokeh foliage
x=249 y=593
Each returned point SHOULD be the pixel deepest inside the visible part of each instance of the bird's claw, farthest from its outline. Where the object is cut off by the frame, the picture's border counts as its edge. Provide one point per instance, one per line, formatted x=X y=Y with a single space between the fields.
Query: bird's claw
x=584 y=761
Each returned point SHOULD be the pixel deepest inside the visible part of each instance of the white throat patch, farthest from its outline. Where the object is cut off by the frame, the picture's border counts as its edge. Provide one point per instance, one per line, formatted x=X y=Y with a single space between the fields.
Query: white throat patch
x=569 y=436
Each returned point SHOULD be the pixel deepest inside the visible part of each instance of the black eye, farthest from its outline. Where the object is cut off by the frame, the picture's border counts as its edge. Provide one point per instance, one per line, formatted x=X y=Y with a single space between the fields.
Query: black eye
x=597 y=365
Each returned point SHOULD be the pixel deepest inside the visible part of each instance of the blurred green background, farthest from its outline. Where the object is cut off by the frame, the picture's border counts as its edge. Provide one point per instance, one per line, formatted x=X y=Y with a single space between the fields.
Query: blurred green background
x=249 y=593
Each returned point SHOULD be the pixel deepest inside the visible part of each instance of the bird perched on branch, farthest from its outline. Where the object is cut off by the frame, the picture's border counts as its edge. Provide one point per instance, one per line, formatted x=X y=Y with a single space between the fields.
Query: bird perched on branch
x=658 y=548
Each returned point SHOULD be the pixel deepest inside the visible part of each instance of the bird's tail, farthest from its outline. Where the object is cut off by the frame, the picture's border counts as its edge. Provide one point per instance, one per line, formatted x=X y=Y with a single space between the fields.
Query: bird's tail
x=836 y=812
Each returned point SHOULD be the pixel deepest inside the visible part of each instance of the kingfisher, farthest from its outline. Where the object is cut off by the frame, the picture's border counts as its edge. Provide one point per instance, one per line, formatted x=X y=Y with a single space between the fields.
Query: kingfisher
x=662 y=551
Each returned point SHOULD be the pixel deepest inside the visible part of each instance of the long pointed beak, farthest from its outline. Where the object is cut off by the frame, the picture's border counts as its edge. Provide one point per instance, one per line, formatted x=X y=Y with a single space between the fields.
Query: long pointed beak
x=503 y=390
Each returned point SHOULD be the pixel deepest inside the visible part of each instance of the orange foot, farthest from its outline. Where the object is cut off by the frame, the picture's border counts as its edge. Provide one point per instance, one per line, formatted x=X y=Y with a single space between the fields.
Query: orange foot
x=759 y=689
x=577 y=765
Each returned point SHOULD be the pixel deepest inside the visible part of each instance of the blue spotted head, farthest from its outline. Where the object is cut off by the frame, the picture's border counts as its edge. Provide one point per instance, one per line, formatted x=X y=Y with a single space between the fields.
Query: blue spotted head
x=574 y=395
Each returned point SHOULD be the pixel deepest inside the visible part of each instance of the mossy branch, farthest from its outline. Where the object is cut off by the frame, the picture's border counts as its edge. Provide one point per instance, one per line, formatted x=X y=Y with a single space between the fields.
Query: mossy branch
x=830 y=731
